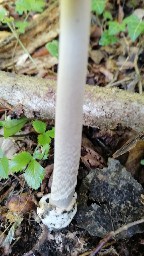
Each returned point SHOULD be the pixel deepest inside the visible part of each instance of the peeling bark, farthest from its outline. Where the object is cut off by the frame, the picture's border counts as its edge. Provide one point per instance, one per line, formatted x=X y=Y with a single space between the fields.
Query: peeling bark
x=103 y=108
x=41 y=30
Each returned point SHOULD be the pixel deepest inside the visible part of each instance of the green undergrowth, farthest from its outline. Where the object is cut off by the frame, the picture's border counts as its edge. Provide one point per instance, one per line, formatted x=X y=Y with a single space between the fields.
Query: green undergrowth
x=132 y=25
x=25 y=162
x=111 y=28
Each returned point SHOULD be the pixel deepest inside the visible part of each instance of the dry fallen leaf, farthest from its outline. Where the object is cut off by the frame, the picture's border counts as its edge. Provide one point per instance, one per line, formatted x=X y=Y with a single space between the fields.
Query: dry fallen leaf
x=120 y=13
x=139 y=13
x=135 y=147
x=4 y=34
x=130 y=144
x=89 y=157
x=21 y=204
x=107 y=73
x=8 y=146
x=97 y=56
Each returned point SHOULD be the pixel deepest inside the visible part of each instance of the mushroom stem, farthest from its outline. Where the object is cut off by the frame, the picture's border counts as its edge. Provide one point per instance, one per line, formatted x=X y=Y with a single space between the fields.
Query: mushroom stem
x=73 y=53
x=74 y=38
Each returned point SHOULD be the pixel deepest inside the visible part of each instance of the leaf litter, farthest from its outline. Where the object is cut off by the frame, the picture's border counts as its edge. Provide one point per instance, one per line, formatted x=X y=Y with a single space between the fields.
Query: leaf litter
x=109 y=195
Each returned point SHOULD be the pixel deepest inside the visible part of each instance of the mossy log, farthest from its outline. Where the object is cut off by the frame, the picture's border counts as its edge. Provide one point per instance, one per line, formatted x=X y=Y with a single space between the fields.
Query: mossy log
x=103 y=108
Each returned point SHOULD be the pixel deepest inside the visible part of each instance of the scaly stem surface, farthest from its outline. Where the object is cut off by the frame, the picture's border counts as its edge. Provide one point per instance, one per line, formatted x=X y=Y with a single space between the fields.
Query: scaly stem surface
x=74 y=37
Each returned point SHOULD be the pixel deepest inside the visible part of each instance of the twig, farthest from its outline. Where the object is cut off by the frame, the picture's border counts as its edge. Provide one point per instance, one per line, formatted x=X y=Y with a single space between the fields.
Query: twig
x=118 y=82
x=138 y=73
x=114 y=233
x=21 y=44
x=17 y=135
x=85 y=253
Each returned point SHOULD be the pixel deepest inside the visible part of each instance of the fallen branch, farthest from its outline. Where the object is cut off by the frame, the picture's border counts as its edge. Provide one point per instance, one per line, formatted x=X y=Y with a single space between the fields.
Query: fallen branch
x=103 y=108
x=114 y=233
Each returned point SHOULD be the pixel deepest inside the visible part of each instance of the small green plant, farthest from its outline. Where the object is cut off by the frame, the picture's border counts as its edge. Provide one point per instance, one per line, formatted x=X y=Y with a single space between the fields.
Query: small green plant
x=18 y=27
x=44 y=140
x=52 y=47
x=25 y=6
x=12 y=126
x=98 y=6
x=24 y=161
x=132 y=24
x=142 y=161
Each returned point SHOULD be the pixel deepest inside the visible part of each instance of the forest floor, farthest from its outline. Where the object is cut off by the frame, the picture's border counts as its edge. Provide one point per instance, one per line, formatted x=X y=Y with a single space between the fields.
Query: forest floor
x=110 y=184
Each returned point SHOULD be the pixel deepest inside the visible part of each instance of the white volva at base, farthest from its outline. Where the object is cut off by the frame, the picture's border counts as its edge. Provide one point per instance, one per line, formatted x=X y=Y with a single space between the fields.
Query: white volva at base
x=54 y=217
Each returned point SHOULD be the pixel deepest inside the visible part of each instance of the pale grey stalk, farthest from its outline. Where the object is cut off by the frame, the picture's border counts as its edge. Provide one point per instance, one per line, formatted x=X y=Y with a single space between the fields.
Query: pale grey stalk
x=74 y=37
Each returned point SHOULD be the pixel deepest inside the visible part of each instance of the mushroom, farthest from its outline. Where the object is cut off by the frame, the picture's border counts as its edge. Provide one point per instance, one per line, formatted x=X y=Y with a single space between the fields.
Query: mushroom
x=58 y=208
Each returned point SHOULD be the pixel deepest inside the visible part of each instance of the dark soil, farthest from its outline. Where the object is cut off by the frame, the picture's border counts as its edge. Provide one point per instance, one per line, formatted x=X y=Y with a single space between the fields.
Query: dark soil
x=100 y=205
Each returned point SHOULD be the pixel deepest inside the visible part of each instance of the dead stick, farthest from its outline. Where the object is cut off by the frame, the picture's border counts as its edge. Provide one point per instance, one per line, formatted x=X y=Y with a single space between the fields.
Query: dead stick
x=114 y=233
x=103 y=108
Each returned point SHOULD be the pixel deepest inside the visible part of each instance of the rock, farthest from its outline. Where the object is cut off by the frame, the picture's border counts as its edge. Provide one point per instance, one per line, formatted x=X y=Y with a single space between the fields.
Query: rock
x=108 y=199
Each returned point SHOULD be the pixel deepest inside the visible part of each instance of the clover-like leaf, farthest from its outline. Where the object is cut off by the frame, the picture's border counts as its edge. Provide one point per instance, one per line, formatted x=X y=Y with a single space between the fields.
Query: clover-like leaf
x=98 y=6
x=44 y=139
x=116 y=27
x=20 y=161
x=23 y=6
x=38 y=153
x=107 y=15
x=34 y=174
x=21 y=25
x=107 y=39
x=41 y=153
x=51 y=133
x=39 y=126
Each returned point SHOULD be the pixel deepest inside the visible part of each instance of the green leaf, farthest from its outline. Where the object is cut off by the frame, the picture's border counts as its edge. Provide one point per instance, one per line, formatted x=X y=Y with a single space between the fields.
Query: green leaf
x=135 y=26
x=115 y=27
x=107 y=39
x=41 y=153
x=21 y=25
x=1 y=123
x=29 y=5
x=34 y=174
x=37 y=5
x=51 y=133
x=38 y=154
x=44 y=139
x=3 y=14
x=20 y=161
x=22 y=6
x=52 y=47
x=142 y=162
x=45 y=151
x=98 y=6
x=12 y=126
x=8 y=20
x=39 y=126
x=4 y=168
x=107 y=15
